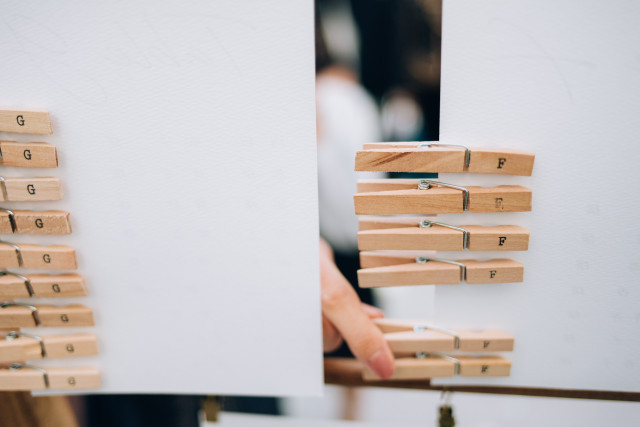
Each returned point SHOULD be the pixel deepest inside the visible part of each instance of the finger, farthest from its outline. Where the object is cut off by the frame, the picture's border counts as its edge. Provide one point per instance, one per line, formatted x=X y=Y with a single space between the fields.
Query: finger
x=371 y=311
x=343 y=309
x=331 y=338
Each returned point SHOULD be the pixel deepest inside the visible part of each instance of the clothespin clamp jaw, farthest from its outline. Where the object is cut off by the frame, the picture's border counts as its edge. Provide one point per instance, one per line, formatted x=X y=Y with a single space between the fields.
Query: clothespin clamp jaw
x=421 y=327
x=17 y=334
x=425 y=223
x=426 y=184
x=27 y=282
x=456 y=362
x=19 y=366
x=34 y=310
x=12 y=219
x=442 y=158
x=463 y=268
x=467 y=152
x=17 y=248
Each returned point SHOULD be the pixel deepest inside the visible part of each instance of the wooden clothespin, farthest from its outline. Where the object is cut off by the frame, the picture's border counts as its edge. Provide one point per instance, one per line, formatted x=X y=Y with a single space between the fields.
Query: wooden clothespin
x=426 y=196
x=13 y=285
x=20 y=376
x=55 y=257
x=20 y=346
x=28 y=154
x=25 y=120
x=435 y=157
x=414 y=233
x=391 y=269
x=434 y=365
x=34 y=222
x=18 y=315
x=415 y=336
x=30 y=189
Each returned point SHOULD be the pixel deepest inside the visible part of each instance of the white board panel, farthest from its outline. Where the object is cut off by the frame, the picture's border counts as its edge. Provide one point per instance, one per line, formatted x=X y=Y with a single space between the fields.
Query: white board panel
x=560 y=79
x=186 y=137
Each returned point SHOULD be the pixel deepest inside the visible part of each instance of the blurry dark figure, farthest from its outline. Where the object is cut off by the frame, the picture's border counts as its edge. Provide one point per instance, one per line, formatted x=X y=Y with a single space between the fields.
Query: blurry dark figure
x=400 y=57
x=142 y=410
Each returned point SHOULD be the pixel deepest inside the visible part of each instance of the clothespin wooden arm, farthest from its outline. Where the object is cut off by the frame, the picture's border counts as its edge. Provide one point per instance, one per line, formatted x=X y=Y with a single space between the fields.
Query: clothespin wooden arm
x=55 y=257
x=18 y=346
x=442 y=365
x=28 y=154
x=25 y=120
x=16 y=315
x=34 y=222
x=410 y=343
x=14 y=285
x=436 y=157
x=411 y=368
x=413 y=233
x=412 y=271
x=27 y=377
x=415 y=336
x=30 y=189
x=408 y=196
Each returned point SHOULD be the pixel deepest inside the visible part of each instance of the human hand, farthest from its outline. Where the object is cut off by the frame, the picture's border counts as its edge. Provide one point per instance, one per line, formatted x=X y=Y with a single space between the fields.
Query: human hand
x=345 y=317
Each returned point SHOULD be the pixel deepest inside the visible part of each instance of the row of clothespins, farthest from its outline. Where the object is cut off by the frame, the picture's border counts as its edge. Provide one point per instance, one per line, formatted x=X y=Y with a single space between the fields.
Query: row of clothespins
x=423 y=350
x=382 y=238
x=390 y=246
x=18 y=348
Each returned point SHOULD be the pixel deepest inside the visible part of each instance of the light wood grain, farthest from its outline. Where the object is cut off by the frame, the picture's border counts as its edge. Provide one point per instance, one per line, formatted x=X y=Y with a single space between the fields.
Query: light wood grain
x=414 y=238
x=404 y=340
x=501 y=161
x=487 y=340
x=25 y=120
x=56 y=346
x=434 y=201
x=407 y=343
x=410 y=368
x=406 y=157
x=389 y=197
x=50 y=316
x=77 y=378
x=411 y=160
x=374 y=222
x=376 y=185
x=28 y=154
x=437 y=367
x=484 y=366
x=31 y=189
x=438 y=238
x=407 y=272
x=401 y=144
x=55 y=257
x=430 y=273
x=388 y=325
x=44 y=286
x=493 y=271
x=36 y=222
x=382 y=258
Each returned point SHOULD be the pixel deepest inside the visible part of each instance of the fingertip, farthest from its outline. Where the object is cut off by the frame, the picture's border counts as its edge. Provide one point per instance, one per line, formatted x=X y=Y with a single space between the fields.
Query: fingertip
x=382 y=363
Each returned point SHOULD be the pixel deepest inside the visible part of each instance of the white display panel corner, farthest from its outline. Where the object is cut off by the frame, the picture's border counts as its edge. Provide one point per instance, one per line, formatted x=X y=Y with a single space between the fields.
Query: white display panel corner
x=560 y=79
